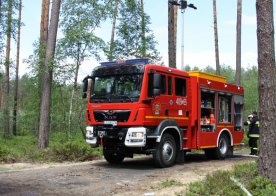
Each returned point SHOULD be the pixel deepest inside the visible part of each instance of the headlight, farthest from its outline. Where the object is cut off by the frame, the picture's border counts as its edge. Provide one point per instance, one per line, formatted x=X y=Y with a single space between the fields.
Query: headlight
x=138 y=135
x=89 y=128
x=89 y=131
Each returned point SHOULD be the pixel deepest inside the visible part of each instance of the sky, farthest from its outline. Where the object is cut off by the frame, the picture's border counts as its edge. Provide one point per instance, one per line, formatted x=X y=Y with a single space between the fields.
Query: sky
x=198 y=33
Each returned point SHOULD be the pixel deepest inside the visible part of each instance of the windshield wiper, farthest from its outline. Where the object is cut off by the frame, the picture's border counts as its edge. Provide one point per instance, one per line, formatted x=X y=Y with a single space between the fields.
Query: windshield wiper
x=101 y=98
x=125 y=97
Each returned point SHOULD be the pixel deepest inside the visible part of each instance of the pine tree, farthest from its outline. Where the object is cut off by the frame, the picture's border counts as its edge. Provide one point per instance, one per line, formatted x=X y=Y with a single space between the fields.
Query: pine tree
x=238 y=43
x=267 y=89
x=17 y=70
x=6 y=80
x=47 y=75
x=129 y=42
x=216 y=37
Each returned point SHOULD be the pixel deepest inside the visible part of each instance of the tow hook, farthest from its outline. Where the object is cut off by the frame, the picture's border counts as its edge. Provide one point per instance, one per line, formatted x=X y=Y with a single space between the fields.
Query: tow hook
x=101 y=139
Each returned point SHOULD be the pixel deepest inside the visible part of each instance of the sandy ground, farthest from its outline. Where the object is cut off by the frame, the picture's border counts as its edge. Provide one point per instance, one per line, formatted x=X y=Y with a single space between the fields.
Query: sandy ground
x=136 y=176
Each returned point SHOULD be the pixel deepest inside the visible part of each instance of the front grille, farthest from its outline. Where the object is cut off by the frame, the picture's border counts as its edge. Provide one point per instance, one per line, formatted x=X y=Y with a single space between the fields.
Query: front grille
x=111 y=115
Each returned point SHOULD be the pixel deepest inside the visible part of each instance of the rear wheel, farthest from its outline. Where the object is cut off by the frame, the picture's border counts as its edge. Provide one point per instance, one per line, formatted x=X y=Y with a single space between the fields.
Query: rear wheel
x=223 y=147
x=113 y=157
x=165 y=154
x=220 y=152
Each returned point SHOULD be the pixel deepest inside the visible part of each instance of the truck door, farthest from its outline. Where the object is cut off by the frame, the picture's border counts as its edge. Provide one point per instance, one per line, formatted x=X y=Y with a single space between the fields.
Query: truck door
x=161 y=102
x=181 y=111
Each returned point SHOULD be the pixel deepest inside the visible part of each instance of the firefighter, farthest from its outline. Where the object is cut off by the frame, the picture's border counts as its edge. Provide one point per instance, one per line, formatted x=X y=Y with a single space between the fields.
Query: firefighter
x=254 y=132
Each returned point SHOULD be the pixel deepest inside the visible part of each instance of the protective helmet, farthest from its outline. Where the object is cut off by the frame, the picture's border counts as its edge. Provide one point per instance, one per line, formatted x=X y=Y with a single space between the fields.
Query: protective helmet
x=250 y=116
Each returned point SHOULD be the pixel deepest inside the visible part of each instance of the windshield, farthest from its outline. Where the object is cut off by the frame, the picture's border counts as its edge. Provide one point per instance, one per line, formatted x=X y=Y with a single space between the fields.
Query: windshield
x=116 y=88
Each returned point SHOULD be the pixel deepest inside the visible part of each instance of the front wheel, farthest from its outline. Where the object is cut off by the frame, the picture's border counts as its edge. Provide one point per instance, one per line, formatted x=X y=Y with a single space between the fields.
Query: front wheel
x=112 y=157
x=165 y=154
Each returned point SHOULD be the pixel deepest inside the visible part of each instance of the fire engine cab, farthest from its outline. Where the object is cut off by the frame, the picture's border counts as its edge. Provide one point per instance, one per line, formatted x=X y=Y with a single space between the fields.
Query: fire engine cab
x=135 y=107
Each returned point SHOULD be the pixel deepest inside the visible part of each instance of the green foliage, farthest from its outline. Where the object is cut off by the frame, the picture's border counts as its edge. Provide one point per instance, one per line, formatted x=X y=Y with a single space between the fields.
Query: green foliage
x=27 y=116
x=170 y=182
x=5 y=154
x=219 y=183
x=262 y=186
x=249 y=80
x=28 y=107
x=25 y=148
x=248 y=175
x=79 y=19
x=20 y=148
x=129 y=43
x=74 y=151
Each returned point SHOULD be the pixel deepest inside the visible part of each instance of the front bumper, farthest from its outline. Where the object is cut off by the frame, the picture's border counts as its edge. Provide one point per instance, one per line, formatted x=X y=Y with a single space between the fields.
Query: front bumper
x=129 y=137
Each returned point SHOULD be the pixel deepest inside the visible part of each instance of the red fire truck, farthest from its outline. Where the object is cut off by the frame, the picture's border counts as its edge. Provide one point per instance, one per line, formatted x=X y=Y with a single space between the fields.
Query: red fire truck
x=135 y=107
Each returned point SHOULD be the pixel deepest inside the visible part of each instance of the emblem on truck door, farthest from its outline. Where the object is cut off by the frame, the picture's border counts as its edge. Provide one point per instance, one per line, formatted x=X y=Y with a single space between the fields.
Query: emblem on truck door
x=171 y=102
x=156 y=108
x=181 y=101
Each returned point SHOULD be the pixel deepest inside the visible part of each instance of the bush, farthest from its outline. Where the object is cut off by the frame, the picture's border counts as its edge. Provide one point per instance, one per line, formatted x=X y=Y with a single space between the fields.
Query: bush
x=262 y=186
x=25 y=148
x=5 y=154
x=74 y=151
x=219 y=183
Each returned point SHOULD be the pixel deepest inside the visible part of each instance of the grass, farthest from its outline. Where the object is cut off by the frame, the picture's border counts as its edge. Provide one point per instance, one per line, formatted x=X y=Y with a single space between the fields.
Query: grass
x=167 y=183
x=219 y=183
x=170 y=182
x=25 y=148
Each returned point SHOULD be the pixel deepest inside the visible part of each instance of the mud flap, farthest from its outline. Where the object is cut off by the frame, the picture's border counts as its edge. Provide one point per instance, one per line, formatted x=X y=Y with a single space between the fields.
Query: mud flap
x=180 y=157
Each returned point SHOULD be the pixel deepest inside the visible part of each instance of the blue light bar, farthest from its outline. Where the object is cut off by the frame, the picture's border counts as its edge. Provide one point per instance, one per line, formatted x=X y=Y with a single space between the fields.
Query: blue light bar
x=124 y=62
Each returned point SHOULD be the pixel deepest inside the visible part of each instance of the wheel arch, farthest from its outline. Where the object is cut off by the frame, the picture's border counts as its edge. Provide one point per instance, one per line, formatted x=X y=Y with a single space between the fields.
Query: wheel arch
x=170 y=127
x=227 y=133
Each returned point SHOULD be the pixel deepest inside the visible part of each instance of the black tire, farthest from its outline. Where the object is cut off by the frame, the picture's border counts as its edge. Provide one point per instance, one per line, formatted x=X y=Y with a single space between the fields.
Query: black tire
x=223 y=147
x=112 y=157
x=165 y=154
x=222 y=151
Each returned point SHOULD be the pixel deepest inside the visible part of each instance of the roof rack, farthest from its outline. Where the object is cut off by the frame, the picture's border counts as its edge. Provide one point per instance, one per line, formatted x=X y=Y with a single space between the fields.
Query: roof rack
x=129 y=61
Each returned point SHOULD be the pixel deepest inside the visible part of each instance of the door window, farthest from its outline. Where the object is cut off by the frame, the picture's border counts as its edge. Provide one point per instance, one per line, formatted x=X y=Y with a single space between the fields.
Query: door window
x=225 y=108
x=180 y=87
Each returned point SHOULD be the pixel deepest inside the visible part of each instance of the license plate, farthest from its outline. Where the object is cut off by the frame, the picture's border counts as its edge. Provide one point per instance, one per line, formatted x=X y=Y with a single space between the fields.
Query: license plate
x=101 y=133
x=114 y=123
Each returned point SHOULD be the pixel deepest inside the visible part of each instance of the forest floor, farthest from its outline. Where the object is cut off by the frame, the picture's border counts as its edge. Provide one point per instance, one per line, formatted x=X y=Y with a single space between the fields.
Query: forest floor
x=136 y=176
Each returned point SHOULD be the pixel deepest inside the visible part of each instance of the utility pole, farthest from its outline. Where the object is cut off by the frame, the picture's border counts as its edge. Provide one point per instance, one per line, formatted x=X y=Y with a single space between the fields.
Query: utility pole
x=172 y=29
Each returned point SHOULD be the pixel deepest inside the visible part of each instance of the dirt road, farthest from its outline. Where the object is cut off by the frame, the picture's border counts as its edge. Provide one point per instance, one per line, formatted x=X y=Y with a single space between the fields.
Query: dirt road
x=136 y=176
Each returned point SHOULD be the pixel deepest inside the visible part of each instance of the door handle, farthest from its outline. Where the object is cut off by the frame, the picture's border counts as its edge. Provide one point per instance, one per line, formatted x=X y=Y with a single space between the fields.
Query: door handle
x=187 y=113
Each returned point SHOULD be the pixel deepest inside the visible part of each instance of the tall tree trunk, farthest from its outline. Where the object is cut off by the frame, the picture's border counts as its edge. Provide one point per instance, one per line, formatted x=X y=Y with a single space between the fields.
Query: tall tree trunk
x=6 y=80
x=111 y=47
x=17 y=70
x=44 y=25
x=267 y=88
x=172 y=28
x=46 y=79
x=0 y=56
x=143 y=29
x=216 y=37
x=238 y=43
x=0 y=9
x=0 y=16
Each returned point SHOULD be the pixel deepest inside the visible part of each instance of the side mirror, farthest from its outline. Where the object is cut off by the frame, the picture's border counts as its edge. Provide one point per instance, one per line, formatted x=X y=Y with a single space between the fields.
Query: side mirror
x=156 y=84
x=85 y=86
